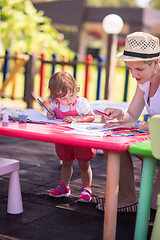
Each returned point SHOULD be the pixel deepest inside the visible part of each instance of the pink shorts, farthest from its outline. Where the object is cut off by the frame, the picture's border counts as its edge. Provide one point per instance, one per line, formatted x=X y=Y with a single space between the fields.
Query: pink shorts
x=67 y=153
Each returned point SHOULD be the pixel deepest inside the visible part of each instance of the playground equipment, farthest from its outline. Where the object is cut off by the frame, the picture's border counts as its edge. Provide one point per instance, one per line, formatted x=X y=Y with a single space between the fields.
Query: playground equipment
x=20 y=62
x=29 y=62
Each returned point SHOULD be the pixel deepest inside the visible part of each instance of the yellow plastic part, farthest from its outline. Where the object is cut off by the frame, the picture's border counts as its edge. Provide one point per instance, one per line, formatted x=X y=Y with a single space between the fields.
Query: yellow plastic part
x=154 y=129
x=156 y=227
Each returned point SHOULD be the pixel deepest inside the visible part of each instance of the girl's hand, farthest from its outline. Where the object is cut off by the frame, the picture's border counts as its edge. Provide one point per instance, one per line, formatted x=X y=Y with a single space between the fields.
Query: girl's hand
x=113 y=113
x=125 y=124
x=49 y=116
x=68 y=119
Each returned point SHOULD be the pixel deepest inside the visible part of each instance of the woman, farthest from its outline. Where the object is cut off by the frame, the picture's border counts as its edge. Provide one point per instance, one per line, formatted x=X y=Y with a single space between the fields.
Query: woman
x=141 y=56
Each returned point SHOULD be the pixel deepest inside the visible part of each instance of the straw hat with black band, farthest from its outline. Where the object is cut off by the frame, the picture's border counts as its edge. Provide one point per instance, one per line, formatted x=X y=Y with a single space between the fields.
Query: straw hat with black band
x=140 y=46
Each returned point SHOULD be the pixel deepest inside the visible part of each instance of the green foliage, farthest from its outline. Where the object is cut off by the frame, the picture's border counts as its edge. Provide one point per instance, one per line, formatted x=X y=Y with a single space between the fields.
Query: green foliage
x=26 y=29
x=112 y=3
x=154 y=4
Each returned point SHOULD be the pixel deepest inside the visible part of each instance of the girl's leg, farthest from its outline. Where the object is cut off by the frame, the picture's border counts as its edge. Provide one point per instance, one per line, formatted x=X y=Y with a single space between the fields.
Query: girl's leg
x=66 y=172
x=156 y=191
x=86 y=173
x=86 y=176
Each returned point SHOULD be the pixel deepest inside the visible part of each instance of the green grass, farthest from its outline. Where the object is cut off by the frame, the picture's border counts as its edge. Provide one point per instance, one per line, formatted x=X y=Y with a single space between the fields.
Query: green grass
x=117 y=89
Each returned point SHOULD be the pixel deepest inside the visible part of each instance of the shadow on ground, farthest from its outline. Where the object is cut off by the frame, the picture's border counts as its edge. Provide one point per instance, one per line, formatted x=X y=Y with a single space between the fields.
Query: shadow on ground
x=50 y=218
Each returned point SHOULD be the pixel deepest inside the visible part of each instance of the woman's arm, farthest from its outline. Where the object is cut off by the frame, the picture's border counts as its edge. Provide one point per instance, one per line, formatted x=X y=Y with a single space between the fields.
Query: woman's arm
x=136 y=106
x=128 y=119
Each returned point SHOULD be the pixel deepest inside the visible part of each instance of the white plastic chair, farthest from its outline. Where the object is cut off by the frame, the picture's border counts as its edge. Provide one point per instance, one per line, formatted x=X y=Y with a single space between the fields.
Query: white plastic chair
x=15 y=205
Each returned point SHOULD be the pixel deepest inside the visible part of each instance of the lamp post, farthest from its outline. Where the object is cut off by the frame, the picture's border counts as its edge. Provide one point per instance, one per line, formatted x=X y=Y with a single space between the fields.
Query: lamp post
x=112 y=25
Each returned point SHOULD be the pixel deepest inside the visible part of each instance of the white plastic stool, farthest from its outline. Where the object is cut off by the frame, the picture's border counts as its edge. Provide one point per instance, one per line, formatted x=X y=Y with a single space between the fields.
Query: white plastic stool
x=15 y=205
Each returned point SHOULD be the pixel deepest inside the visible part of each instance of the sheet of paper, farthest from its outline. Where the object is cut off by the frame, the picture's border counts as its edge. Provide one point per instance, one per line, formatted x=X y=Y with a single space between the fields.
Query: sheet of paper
x=87 y=126
x=98 y=134
x=98 y=127
x=92 y=129
x=36 y=116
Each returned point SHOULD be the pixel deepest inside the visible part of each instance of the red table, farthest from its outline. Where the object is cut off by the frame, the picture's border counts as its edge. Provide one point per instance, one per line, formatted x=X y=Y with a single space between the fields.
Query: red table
x=57 y=134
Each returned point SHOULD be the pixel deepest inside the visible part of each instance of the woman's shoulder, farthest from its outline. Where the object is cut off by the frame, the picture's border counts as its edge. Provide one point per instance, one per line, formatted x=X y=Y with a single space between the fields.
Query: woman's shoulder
x=144 y=86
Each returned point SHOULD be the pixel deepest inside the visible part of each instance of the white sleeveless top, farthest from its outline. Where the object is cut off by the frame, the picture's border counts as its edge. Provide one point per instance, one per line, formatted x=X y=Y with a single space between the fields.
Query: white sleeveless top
x=154 y=107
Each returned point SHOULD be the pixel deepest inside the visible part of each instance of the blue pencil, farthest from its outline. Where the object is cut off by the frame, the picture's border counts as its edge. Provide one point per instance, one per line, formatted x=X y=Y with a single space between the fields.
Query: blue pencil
x=142 y=131
x=45 y=107
x=11 y=118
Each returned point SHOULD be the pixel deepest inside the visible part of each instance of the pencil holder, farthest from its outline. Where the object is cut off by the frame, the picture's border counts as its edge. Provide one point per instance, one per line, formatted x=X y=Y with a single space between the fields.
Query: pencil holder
x=5 y=117
x=23 y=118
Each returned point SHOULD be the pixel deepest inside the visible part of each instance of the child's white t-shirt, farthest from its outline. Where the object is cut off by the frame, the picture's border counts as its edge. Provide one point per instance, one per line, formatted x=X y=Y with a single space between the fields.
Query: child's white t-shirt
x=82 y=106
x=154 y=107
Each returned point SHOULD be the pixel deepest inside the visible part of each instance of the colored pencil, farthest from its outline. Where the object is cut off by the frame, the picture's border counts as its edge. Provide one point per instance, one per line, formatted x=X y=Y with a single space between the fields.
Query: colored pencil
x=45 y=107
x=102 y=113
x=11 y=118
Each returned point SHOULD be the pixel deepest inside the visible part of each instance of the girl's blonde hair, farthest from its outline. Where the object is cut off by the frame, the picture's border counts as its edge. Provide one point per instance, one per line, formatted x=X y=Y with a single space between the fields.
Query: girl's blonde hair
x=59 y=84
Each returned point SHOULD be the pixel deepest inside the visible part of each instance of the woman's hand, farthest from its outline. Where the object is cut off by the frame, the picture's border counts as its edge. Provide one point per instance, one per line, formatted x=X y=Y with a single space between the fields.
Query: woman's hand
x=121 y=124
x=113 y=113
x=49 y=116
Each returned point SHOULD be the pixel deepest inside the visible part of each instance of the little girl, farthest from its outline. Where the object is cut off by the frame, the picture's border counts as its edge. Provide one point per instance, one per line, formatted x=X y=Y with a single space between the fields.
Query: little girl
x=66 y=105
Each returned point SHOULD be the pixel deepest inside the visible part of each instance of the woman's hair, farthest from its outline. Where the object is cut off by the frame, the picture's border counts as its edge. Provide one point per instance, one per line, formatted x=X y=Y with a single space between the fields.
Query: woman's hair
x=60 y=83
x=149 y=62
